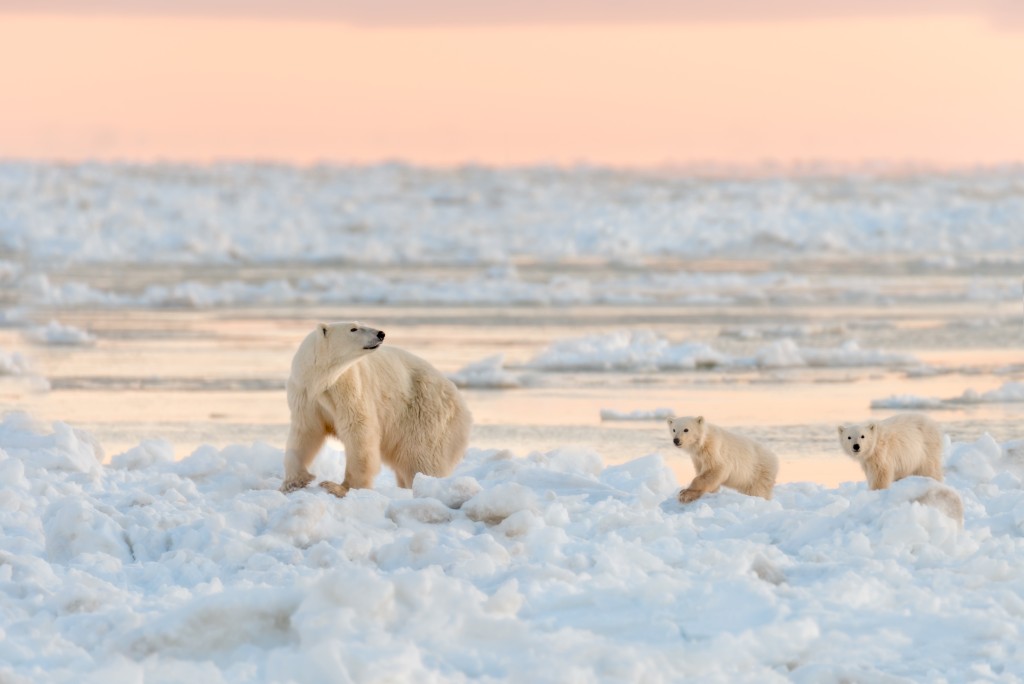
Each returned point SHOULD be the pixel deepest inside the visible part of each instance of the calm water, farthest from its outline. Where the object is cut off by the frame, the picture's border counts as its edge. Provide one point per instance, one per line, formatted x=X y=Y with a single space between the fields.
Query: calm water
x=217 y=377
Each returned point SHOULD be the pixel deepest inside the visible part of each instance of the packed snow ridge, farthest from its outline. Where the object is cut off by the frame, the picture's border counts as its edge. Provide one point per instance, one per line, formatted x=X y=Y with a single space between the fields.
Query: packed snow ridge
x=548 y=567
x=644 y=350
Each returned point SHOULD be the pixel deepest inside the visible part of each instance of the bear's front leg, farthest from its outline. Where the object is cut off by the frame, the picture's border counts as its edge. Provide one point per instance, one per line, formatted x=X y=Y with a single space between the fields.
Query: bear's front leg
x=304 y=443
x=879 y=476
x=338 y=490
x=296 y=483
x=362 y=463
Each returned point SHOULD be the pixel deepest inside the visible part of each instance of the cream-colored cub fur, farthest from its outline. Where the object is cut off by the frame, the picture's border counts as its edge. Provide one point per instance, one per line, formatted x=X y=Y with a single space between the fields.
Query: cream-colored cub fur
x=723 y=458
x=386 y=405
x=897 y=447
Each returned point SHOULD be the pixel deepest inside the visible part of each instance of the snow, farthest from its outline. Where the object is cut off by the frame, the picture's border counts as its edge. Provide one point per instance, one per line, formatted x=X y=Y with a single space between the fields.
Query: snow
x=908 y=401
x=544 y=567
x=644 y=350
x=13 y=363
x=641 y=350
x=638 y=414
x=58 y=334
x=14 y=367
x=1008 y=392
x=487 y=373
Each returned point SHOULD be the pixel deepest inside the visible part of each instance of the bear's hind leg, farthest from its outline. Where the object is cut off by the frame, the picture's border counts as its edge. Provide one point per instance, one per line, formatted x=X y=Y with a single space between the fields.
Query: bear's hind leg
x=764 y=478
x=932 y=469
x=762 y=489
x=406 y=465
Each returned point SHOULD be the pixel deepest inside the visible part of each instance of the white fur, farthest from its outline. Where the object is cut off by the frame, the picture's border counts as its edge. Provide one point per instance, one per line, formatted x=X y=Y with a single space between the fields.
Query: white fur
x=721 y=458
x=385 y=404
x=905 y=444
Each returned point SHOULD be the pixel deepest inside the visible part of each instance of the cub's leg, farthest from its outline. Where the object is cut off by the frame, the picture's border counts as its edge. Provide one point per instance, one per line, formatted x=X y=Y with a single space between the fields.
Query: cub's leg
x=879 y=476
x=708 y=481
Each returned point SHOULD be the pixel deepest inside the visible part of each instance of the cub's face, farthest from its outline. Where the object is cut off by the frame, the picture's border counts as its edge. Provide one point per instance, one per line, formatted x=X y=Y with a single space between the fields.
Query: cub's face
x=857 y=440
x=347 y=340
x=686 y=432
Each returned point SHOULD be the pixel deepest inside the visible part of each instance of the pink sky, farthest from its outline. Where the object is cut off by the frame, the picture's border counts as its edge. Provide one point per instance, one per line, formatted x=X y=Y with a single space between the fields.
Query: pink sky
x=841 y=87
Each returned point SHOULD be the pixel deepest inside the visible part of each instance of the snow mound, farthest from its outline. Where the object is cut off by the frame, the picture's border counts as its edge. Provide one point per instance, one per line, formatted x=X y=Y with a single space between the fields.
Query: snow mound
x=909 y=402
x=15 y=368
x=13 y=364
x=486 y=373
x=58 y=334
x=1009 y=392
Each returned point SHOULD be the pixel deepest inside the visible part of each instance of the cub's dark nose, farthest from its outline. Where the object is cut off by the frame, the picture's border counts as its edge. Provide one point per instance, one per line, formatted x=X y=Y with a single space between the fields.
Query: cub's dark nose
x=380 y=334
x=676 y=441
x=856 y=447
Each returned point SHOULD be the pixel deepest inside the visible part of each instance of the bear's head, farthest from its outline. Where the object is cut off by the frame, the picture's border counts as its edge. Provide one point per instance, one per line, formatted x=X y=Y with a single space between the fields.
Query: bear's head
x=858 y=440
x=329 y=350
x=687 y=433
x=347 y=340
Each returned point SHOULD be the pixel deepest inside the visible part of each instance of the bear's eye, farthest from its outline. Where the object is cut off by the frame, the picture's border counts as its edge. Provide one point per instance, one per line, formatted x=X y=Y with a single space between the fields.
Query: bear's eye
x=353 y=329
x=862 y=436
x=686 y=429
x=849 y=437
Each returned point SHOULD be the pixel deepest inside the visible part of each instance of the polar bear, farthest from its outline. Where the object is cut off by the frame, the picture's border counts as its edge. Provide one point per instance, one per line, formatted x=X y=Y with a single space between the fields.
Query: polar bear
x=723 y=458
x=385 y=404
x=897 y=447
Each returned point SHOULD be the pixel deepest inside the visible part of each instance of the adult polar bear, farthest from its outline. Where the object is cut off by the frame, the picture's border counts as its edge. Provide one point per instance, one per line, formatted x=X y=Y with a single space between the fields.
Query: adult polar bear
x=383 y=404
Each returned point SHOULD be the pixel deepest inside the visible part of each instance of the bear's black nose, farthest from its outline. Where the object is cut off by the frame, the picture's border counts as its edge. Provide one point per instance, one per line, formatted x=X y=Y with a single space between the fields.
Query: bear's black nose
x=380 y=334
x=676 y=441
x=856 y=447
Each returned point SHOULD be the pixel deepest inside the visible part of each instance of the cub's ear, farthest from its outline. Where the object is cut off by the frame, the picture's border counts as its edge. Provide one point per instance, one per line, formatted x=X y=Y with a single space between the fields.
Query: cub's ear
x=669 y=421
x=842 y=429
x=871 y=426
x=324 y=328
x=700 y=420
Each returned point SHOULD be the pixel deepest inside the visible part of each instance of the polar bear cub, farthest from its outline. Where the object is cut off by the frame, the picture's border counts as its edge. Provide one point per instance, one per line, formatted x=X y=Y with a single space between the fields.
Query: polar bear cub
x=721 y=458
x=897 y=447
x=385 y=404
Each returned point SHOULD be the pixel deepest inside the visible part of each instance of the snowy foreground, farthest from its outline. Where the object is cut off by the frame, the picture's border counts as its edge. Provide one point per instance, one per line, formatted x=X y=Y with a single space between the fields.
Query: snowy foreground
x=548 y=568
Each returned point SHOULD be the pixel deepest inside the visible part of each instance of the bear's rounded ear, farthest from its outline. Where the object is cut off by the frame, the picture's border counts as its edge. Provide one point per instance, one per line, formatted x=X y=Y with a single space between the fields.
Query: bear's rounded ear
x=700 y=420
x=842 y=429
x=871 y=426
x=324 y=328
x=669 y=421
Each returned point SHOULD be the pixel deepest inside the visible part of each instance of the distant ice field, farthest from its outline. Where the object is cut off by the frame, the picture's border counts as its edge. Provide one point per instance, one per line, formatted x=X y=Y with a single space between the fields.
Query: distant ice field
x=396 y=214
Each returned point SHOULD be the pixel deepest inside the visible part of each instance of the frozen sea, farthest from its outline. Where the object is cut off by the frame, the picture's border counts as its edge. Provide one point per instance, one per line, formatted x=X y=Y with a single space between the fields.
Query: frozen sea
x=149 y=315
